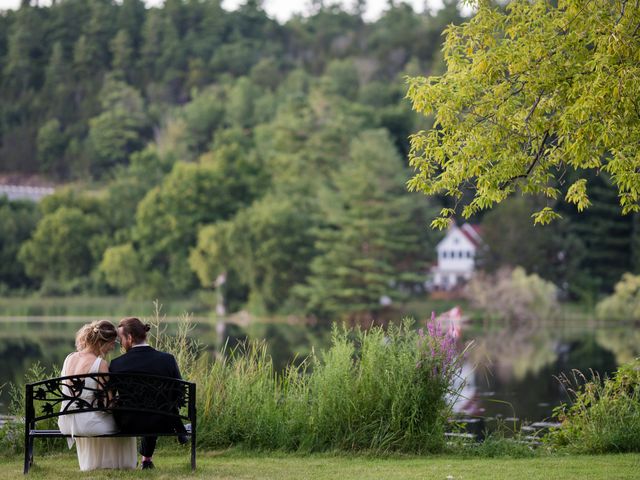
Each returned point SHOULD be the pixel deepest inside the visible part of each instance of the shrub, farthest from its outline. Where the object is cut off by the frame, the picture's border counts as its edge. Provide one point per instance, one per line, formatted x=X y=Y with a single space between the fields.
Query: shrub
x=624 y=302
x=12 y=432
x=513 y=295
x=604 y=415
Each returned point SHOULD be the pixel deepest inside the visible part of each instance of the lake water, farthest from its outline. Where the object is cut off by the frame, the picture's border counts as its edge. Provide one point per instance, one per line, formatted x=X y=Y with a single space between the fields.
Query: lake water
x=511 y=371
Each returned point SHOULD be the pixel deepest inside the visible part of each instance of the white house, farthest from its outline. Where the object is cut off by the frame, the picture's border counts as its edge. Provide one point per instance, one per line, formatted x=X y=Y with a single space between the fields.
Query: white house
x=25 y=192
x=456 y=257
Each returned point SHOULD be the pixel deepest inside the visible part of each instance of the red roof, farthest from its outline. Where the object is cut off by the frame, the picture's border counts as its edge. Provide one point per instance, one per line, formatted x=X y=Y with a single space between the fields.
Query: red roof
x=472 y=232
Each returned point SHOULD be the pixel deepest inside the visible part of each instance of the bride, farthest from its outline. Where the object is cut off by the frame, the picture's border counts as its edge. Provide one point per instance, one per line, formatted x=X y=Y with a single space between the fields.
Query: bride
x=93 y=342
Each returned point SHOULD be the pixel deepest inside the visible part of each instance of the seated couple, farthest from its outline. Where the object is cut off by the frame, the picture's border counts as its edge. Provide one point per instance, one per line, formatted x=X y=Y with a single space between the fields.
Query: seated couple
x=93 y=342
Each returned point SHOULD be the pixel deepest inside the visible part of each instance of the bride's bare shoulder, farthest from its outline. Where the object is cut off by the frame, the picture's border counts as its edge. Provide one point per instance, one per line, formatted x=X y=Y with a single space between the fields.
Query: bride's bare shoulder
x=78 y=363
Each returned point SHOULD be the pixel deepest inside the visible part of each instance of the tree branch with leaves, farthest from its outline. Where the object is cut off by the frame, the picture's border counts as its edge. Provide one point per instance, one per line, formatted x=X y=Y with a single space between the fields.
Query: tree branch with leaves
x=532 y=92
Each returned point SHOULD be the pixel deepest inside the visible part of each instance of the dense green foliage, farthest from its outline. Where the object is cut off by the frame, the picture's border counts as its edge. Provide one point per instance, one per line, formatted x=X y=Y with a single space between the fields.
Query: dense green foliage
x=514 y=296
x=84 y=82
x=207 y=144
x=555 y=252
x=215 y=142
x=372 y=239
x=624 y=302
x=17 y=221
x=604 y=415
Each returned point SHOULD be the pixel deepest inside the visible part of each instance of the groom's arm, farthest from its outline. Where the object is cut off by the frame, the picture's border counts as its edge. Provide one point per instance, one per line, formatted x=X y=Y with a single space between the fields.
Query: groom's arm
x=175 y=369
x=178 y=426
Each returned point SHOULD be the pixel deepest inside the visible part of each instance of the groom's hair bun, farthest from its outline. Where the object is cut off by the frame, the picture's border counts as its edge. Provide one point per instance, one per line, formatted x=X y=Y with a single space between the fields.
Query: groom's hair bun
x=134 y=327
x=95 y=334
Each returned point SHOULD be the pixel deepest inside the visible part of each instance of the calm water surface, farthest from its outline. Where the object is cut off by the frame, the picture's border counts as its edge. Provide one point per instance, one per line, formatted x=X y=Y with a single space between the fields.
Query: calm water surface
x=511 y=371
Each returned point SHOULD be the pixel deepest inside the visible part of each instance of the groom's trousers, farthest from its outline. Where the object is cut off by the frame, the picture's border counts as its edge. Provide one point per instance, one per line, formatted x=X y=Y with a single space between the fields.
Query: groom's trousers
x=148 y=446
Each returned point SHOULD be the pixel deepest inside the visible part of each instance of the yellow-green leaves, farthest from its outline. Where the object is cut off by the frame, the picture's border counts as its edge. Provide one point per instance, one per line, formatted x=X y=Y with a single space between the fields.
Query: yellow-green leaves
x=577 y=194
x=532 y=92
x=545 y=216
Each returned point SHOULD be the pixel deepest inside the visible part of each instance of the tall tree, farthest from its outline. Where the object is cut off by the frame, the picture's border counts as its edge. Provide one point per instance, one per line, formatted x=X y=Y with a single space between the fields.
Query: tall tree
x=60 y=246
x=99 y=30
x=131 y=17
x=241 y=103
x=120 y=129
x=192 y=195
x=268 y=246
x=82 y=58
x=17 y=221
x=51 y=144
x=607 y=236
x=25 y=55
x=121 y=55
x=172 y=61
x=151 y=44
x=341 y=78
x=372 y=249
x=556 y=253
x=56 y=84
x=66 y=22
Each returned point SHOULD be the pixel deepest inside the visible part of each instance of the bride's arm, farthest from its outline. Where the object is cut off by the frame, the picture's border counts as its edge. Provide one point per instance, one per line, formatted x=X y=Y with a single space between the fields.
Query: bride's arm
x=104 y=366
x=104 y=380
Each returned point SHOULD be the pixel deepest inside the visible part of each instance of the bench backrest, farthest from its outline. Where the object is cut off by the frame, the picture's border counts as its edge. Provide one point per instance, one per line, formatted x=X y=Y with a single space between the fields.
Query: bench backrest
x=115 y=392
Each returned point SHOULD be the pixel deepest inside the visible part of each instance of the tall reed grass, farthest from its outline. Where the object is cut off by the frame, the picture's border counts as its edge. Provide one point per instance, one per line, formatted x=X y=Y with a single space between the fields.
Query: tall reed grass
x=604 y=415
x=376 y=390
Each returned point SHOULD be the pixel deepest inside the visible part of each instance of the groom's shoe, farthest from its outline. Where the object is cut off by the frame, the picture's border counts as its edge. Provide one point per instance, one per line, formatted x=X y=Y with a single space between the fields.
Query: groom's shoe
x=147 y=465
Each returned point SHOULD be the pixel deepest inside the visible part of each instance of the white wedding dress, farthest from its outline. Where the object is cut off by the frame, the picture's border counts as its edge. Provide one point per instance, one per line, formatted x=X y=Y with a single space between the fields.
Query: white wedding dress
x=94 y=453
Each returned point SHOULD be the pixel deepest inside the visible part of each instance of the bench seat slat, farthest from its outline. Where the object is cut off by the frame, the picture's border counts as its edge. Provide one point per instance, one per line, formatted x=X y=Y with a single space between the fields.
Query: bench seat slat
x=58 y=433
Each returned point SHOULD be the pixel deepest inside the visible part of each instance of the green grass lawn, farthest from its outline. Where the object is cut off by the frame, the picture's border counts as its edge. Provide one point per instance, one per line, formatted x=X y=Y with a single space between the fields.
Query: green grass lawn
x=171 y=465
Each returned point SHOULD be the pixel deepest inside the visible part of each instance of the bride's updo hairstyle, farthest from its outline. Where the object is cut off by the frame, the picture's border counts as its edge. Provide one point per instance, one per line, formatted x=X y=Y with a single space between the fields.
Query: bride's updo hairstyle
x=134 y=327
x=95 y=335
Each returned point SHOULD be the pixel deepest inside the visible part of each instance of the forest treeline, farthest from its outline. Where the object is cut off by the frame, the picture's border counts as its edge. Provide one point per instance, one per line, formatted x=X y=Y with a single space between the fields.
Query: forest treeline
x=211 y=142
x=85 y=83
x=202 y=144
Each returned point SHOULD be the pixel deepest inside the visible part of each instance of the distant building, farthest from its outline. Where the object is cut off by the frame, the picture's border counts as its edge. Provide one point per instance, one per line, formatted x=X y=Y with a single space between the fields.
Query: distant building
x=24 y=192
x=456 y=257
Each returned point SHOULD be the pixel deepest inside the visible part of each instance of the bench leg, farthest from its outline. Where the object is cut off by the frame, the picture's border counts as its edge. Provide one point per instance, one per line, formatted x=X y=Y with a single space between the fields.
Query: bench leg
x=28 y=454
x=193 y=450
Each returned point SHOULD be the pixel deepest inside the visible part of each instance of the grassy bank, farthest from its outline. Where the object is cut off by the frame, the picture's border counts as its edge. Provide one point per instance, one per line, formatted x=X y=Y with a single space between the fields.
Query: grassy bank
x=202 y=304
x=99 y=306
x=239 y=465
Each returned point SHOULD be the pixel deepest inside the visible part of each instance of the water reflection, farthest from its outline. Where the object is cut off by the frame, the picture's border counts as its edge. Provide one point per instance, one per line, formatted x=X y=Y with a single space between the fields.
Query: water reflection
x=509 y=372
x=624 y=342
x=513 y=373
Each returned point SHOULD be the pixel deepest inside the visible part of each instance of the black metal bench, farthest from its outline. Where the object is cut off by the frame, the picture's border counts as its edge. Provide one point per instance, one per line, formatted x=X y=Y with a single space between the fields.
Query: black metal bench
x=118 y=393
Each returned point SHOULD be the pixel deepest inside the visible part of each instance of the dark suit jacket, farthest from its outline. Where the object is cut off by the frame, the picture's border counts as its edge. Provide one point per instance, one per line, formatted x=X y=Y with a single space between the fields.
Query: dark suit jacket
x=152 y=362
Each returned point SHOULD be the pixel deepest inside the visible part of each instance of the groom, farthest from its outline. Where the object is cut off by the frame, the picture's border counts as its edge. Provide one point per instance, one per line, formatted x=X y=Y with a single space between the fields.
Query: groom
x=142 y=358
